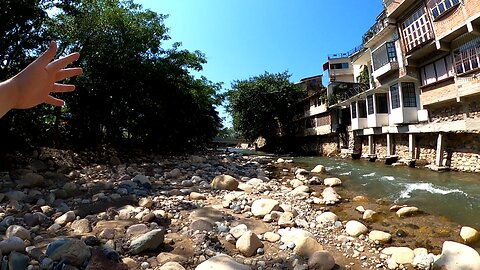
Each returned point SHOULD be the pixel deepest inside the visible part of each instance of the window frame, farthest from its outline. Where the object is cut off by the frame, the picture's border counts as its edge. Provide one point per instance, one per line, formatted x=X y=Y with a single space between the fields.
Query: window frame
x=416 y=29
x=354 y=109
x=395 y=96
x=370 y=106
x=439 y=77
x=409 y=95
x=381 y=102
x=362 y=109
x=465 y=55
x=435 y=5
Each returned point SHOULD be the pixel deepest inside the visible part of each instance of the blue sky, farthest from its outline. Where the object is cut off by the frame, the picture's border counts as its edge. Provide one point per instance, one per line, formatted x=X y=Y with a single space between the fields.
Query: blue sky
x=244 y=38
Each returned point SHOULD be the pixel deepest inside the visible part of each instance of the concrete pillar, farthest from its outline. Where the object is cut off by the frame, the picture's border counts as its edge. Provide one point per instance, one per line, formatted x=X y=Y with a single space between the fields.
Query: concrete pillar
x=411 y=146
x=371 y=150
x=389 y=144
x=439 y=155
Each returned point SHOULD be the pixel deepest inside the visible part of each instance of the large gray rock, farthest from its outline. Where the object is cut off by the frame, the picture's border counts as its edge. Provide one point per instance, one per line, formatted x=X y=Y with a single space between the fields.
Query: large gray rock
x=321 y=260
x=12 y=243
x=149 y=241
x=261 y=207
x=223 y=262
x=17 y=261
x=248 y=244
x=73 y=250
x=457 y=256
x=224 y=182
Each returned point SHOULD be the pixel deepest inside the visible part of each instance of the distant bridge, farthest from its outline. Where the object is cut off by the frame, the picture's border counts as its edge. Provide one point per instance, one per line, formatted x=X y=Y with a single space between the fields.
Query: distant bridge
x=228 y=141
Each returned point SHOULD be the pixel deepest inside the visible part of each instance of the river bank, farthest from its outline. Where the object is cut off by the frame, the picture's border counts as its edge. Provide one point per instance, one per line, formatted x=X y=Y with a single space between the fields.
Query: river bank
x=213 y=209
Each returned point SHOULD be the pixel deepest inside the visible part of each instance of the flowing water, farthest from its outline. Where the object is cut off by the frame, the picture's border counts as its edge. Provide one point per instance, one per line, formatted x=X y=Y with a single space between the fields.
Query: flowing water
x=453 y=195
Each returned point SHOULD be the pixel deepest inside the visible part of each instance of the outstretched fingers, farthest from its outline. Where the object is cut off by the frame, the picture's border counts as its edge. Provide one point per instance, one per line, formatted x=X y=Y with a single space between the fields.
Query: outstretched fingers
x=48 y=55
x=63 y=62
x=54 y=101
x=67 y=73
x=61 y=88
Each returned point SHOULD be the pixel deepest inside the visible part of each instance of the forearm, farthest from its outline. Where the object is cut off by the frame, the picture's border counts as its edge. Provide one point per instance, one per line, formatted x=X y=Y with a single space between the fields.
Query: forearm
x=7 y=96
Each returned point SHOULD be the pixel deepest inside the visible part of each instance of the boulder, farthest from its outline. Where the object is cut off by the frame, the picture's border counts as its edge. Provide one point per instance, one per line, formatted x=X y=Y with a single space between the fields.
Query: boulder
x=321 y=260
x=457 y=256
x=400 y=255
x=423 y=261
x=326 y=217
x=149 y=241
x=368 y=214
x=18 y=231
x=271 y=237
x=330 y=196
x=261 y=207
x=12 y=243
x=287 y=219
x=248 y=244
x=224 y=182
x=355 y=228
x=65 y=218
x=73 y=250
x=238 y=230
x=319 y=169
x=382 y=237
x=293 y=235
x=223 y=262
x=469 y=235
x=306 y=246
x=172 y=266
x=332 y=182
x=407 y=211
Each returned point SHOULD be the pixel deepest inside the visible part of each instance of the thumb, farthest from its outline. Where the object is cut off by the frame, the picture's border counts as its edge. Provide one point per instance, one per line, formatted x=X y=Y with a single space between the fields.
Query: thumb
x=48 y=55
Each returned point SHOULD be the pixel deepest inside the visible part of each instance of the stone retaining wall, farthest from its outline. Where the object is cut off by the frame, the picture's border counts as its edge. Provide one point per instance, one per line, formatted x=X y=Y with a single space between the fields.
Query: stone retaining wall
x=319 y=145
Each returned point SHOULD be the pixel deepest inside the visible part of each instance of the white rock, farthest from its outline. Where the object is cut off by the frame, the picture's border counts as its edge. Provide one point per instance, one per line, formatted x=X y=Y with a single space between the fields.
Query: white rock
x=332 y=182
x=65 y=218
x=293 y=235
x=457 y=256
x=306 y=246
x=326 y=217
x=405 y=211
x=261 y=207
x=296 y=183
x=355 y=228
x=286 y=220
x=423 y=261
x=368 y=214
x=469 y=235
x=223 y=262
x=271 y=237
x=319 y=169
x=380 y=236
x=330 y=196
x=255 y=182
x=401 y=255
x=18 y=231
x=238 y=230
x=360 y=209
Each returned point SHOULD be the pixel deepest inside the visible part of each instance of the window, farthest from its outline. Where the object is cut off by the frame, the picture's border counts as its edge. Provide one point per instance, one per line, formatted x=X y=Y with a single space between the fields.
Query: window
x=354 y=109
x=384 y=54
x=362 y=109
x=436 y=71
x=408 y=95
x=440 y=7
x=416 y=29
x=339 y=66
x=381 y=102
x=370 y=105
x=467 y=56
x=395 y=96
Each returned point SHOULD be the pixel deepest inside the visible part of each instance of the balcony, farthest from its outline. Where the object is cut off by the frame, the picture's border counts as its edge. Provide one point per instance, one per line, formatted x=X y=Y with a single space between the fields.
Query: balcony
x=346 y=54
x=378 y=29
x=342 y=91
x=395 y=8
x=384 y=59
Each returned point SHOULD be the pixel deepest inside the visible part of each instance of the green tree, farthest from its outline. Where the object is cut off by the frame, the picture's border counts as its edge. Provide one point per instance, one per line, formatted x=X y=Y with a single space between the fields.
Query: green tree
x=263 y=106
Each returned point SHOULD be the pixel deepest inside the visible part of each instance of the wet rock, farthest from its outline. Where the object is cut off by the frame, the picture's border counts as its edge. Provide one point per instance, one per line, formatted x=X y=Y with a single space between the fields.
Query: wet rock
x=400 y=255
x=149 y=241
x=407 y=211
x=319 y=169
x=261 y=207
x=172 y=266
x=401 y=233
x=65 y=218
x=18 y=231
x=81 y=226
x=223 y=262
x=382 y=237
x=248 y=244
x=306 y=246
x=355 y=228
x=73 y=250
x=469 y=235
x=326 y=217
x=332 y=182
x=17 y=261
x=368 y=215
x=12 y=243
x=201 y=225
x=360 y=209
x=321 y=260
x=457 y=256
x=224 y=182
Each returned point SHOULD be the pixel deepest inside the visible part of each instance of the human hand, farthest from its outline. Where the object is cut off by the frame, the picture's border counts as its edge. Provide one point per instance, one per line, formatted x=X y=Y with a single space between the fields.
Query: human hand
x=33 y=85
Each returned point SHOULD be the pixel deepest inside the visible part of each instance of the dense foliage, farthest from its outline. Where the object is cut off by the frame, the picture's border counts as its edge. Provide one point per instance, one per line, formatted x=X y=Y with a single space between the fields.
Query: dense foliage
x=264 y=106
x=134 y=91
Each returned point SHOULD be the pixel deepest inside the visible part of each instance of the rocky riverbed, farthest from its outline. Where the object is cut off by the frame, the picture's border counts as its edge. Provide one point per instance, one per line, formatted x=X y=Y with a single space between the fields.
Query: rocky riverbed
x=214 y=210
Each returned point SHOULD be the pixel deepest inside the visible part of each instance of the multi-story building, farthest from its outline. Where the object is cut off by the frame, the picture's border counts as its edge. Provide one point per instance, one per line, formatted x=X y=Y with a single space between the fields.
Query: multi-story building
x=413 y=90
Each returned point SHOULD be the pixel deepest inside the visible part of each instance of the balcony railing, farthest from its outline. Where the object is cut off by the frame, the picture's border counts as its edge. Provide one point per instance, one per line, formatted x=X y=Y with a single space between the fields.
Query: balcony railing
x=384 y=55
x=381 y=23
x=346 y=54
x=343 y=91
x=387 y=3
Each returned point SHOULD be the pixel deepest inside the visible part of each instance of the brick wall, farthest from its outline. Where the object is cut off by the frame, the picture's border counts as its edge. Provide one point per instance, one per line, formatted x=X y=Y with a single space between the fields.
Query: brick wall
x=452 y=112
x=439 y=92
x=472 y=7
x=449 y=22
